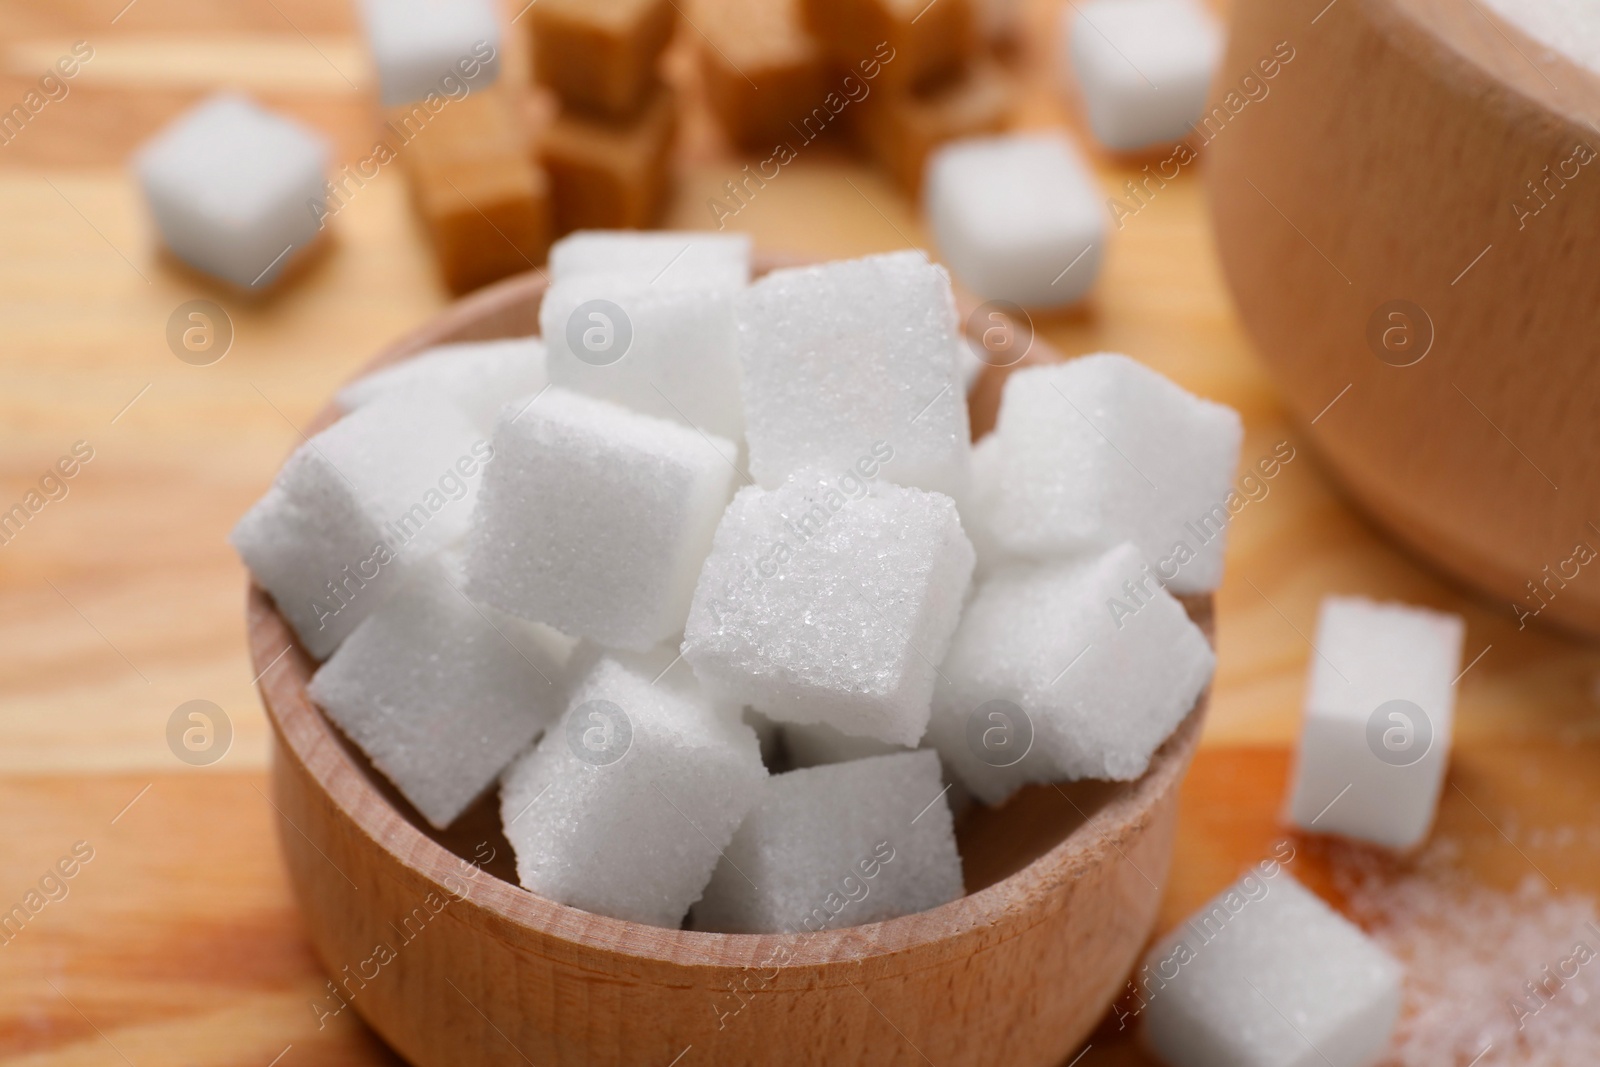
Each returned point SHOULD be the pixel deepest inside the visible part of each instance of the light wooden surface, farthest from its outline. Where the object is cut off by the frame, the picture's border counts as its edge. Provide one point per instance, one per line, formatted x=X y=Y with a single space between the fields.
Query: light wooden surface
x=179 y=943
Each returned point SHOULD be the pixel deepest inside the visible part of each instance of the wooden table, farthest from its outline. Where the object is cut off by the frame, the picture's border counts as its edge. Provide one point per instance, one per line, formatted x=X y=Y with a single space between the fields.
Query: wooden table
x=178 y=943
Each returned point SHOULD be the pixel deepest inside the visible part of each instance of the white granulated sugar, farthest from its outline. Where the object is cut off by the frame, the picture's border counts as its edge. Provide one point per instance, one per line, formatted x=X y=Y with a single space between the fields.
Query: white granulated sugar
x=1077 y=669
x=623 y=807
x=1102 y=449
x=439 y=693
x=596 y=519
x=1494 y=977
x=425 y=47
x=479 y=377
x=1017 y=217
x=662 y=350
x=679 y=258
x=836 y=846
x=979 y=507
x=1141 y=67
x=235 y=190
x=1267 y=975
x=357 y=506
x=845 y=360
x=1379 y=716
x=831 y=600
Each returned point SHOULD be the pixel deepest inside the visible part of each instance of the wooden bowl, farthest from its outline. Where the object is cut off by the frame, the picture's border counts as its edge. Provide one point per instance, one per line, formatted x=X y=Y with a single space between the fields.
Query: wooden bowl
x=1389 y=162
x=431 y=941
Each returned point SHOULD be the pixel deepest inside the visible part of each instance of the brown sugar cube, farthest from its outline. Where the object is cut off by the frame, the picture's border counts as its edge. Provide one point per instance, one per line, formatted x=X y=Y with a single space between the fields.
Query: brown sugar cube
x=600 y=55
x=900 y=130
x=606 y=174
x=485 y=201
x=764 y=71
x=899 y=44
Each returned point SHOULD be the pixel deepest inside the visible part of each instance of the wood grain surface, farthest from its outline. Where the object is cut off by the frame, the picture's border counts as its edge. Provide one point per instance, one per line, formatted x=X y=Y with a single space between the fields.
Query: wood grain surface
x=179 y=942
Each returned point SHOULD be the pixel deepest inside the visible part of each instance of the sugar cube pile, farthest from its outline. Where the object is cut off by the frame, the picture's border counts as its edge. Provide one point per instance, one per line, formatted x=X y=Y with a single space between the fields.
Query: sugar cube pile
x=1379 y=712
x=1018 y=217
x=236 y=191
x=831 y=601
x=423 y=47
x=1267 y=975
x=1141 y=67
x=1103 y=449
x=704 y=610
x=840 y=845
x=626 y=805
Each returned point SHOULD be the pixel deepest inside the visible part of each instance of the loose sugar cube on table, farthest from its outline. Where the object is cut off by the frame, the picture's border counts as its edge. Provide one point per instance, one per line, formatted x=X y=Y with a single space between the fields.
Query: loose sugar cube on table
x=595 y=519
x=236 y=191
x=850 y=360
x=1142 y=67
x=763 y=70
x=677 y=258
x=356 y=507
x=1379 y=713
x=1017 y=217
x=439 y=693
x=1267 y=975
x=831 y=600
x=895 y=44
x=659 y=349
x=624 y=806
x=610 y=173
x=903 y=129
x=1074 y=669
x=485 y=202
x=600 y=55
x=1102 y=449
x=479 y=377
x=423 y=47
x=837 y=846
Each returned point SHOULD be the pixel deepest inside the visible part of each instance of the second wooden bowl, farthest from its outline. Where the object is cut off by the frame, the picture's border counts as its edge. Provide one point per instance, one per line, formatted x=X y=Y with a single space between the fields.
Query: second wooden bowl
x=429 y=939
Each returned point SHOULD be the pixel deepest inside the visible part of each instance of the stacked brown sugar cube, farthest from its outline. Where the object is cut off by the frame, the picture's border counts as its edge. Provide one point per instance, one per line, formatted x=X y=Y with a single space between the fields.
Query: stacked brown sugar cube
x=903 y=76
x=475 y=183
x=607 y=149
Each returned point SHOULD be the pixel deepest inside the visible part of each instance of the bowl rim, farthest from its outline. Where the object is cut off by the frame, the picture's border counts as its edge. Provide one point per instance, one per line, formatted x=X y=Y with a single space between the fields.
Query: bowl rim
x=1006 y=908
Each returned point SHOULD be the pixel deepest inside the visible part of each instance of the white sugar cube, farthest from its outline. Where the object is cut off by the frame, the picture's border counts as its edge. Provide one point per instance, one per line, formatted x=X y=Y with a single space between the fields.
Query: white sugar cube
x=356 y=507
x=235 y=190
x=479 y=377
x=831 y=600
x=1075 y=669
x=440 y=693
x=424 y=48
x=595 y=519
x=668 y=352
x=837 y=846
x=1017 y=217
x=815 y=744
x=1102 y=449
x=1142 y=67
x=844 y=359
x=1267 y=975
x=1379 y=713
x=624 y=806
x=678 y=258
